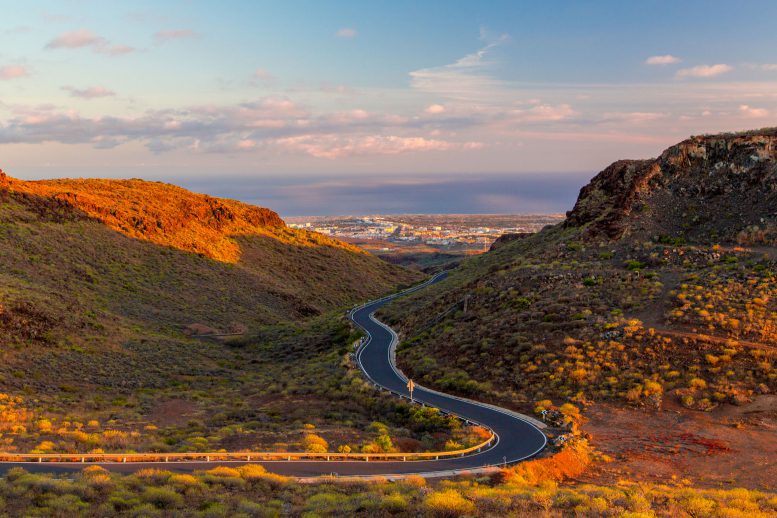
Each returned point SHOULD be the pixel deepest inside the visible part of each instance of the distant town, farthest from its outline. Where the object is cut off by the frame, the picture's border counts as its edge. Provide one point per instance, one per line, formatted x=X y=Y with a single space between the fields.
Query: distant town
x=446 y=233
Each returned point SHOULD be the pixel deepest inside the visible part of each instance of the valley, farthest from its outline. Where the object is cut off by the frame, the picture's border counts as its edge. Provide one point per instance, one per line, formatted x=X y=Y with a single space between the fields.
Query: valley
x=642 y=339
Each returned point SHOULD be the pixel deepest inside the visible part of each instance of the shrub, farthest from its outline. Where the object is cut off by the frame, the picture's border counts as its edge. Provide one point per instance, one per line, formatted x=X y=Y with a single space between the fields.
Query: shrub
x=251 y=471
x=163 y=497
x=315 y=444
x=448 y=503
x=394 y=503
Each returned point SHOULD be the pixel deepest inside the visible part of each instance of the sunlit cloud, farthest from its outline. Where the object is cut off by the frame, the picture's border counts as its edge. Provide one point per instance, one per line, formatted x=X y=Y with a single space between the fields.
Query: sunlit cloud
x=92 y=92
x=268 y=123
x=337 y=146
x=434 y=109
x=76 y=39
x=666 y=59
x=13 y=72
x=346 y=32
x=704 y=71
x=544 y=113
x=634 y=117
x=753 y=113
x=84 y=38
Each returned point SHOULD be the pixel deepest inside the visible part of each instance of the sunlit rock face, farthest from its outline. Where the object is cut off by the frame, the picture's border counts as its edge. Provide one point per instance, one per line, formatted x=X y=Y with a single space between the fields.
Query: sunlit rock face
x=719 y=188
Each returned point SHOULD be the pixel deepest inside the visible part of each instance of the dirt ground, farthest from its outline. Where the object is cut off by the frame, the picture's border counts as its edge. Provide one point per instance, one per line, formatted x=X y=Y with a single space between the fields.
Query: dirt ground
x=731 y=446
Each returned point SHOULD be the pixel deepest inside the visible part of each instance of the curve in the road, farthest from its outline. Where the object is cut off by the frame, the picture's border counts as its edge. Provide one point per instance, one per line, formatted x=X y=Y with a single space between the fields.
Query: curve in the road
x=516 y=437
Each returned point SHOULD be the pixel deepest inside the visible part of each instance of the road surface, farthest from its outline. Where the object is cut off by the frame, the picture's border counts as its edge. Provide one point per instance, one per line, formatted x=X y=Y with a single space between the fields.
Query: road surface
x=516 y=437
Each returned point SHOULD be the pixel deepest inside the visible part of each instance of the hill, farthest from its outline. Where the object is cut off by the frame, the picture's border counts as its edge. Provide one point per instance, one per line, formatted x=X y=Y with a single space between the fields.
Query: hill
x=658 y=291
x=101 y=281
x=707 y=189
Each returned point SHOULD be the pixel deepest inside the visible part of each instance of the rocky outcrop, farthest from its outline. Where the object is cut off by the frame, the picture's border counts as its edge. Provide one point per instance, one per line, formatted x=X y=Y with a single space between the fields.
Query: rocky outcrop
x=708 y=188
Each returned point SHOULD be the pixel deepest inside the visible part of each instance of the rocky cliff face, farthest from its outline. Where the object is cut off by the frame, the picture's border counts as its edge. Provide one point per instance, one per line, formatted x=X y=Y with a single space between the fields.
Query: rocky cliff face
x=720 y=188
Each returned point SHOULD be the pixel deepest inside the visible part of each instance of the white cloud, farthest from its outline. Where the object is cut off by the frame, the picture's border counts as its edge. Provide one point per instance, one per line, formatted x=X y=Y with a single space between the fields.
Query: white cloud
x=346 y=32
x=704 y=71
x=753 y=113
x=93 y=92
x=666 y=59
x=434 y=109
x=13 y=72
x=467 y=79
x=769 y=67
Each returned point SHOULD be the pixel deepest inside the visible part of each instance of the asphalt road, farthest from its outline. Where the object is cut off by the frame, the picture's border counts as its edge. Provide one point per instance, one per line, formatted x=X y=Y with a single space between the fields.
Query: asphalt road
x=517 y=439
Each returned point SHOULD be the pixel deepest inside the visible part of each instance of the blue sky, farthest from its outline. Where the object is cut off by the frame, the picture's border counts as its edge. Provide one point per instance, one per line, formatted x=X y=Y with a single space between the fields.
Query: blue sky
x=393 y=95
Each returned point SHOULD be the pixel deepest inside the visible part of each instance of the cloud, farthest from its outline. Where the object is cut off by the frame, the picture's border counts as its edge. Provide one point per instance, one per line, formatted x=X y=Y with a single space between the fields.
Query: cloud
x=336 y=146
x=704 y=71
x=84 y=38
x=753 y=113
x=468 y=79
x=434 y=109
x=261 y=77
x=115 y=50
x=634 y=117
x=76 y=39
x=174 y=34
x=267 y=123
x=544 y=113
x=768 y=67
x=346 y=32
x=666 y=59
x=93 y=92
x=13 y=72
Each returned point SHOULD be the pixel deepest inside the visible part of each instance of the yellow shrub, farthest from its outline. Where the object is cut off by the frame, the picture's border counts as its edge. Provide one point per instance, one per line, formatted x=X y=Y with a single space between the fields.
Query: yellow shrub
x=448 y=503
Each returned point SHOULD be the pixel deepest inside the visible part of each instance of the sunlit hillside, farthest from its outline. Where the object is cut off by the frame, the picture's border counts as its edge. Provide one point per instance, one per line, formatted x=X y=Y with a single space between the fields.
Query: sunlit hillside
x=653 y=294
x=100 y=290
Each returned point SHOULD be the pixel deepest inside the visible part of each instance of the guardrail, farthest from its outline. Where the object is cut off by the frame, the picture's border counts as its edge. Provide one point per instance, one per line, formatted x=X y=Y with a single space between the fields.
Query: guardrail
x=235 y=456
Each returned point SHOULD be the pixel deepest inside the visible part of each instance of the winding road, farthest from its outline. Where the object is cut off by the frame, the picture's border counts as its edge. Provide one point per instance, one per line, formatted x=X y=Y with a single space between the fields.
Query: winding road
x=517 y=437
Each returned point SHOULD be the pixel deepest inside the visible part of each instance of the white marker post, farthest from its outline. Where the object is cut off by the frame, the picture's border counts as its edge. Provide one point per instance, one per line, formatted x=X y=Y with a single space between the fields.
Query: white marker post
x=410 y=387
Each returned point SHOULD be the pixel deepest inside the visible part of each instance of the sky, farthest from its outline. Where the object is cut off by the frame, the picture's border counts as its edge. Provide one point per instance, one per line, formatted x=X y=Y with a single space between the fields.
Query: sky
x=312 y=107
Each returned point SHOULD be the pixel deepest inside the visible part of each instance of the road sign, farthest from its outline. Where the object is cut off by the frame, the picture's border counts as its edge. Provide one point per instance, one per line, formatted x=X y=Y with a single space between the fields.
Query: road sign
x=410 y=387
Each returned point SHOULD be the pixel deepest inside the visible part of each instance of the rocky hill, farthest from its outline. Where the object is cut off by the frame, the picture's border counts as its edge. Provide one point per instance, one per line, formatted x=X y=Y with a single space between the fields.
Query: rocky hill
x=659 y=286
x=91 y=265
x=718 y=188
x=164 y=214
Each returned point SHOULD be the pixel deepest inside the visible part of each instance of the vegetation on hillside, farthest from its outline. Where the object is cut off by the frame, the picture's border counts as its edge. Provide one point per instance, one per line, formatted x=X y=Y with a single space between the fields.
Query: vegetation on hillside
x=94 y=323
x=627 y=300
x=531 y=488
